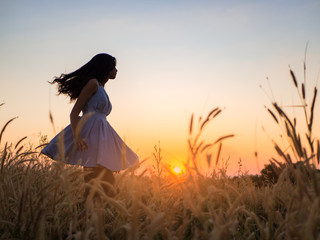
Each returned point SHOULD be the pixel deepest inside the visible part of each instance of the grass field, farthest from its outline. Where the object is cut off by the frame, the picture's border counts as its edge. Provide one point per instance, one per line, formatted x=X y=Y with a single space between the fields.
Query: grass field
x=43 y=199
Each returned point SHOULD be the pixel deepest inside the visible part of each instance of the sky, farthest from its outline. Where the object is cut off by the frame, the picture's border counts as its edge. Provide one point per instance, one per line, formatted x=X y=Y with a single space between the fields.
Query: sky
x=174 y=58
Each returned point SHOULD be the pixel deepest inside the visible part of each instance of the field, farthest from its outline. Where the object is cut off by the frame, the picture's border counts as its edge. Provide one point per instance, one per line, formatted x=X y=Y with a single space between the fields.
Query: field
x=43 y=199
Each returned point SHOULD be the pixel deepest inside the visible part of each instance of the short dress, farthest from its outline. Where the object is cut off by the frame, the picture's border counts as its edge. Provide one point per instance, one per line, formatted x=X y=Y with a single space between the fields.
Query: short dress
x=105 y=147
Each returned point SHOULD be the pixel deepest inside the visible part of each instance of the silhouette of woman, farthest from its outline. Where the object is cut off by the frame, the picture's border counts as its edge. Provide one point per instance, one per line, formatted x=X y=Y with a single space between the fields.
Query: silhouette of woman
x=90 y=140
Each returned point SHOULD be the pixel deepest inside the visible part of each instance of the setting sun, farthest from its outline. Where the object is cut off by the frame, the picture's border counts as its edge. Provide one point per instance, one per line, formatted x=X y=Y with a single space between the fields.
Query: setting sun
x=177 y=170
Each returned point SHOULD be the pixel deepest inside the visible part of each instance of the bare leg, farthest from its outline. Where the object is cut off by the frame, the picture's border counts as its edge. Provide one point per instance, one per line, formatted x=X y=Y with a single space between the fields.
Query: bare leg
x=96 y=204
x=101 y=173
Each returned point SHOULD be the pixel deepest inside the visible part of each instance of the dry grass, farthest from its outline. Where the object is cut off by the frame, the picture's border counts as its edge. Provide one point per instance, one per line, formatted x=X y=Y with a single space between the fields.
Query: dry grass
x=43 y=199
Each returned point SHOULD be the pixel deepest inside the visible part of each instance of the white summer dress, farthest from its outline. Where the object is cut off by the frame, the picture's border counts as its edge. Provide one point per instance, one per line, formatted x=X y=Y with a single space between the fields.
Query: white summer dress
x=105 y=147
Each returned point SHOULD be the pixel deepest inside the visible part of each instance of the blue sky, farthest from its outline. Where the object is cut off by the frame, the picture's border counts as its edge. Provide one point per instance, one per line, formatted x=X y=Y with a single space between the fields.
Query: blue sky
x=175 y=58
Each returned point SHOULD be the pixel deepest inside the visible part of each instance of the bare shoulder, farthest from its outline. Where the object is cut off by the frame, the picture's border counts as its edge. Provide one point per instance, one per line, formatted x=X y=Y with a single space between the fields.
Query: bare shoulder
x=91 y=86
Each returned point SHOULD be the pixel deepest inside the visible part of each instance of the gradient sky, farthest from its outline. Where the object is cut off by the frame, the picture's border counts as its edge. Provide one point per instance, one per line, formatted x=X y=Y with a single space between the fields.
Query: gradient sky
x=175 y=58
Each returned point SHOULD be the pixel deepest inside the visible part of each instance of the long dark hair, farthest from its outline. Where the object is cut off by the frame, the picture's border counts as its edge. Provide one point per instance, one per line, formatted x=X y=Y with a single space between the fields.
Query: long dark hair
x=98 y=67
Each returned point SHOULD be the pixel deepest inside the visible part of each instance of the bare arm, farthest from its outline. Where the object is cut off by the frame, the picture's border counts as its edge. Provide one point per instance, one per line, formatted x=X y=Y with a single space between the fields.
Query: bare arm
x=86 y=93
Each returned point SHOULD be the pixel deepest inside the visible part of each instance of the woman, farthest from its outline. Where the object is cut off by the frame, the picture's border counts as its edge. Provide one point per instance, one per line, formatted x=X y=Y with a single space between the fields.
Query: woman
x=90 y=140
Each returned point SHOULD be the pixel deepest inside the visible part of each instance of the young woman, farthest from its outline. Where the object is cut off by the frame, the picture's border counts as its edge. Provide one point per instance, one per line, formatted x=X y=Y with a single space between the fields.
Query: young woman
x=90 y=140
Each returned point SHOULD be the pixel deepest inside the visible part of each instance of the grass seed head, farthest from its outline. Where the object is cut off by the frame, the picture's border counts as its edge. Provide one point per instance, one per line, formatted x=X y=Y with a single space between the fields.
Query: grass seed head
x=294 y=78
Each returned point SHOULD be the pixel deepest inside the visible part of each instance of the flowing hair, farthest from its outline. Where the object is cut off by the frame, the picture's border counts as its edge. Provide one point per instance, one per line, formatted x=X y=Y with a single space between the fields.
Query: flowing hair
x=72 y=83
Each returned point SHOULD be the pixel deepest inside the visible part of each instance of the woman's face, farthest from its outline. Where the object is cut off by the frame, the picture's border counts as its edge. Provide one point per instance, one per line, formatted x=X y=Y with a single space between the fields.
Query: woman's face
x=113 y=73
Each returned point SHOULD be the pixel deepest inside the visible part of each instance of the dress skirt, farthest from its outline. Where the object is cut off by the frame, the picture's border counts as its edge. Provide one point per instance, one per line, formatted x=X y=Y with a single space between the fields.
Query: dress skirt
x=105 y=147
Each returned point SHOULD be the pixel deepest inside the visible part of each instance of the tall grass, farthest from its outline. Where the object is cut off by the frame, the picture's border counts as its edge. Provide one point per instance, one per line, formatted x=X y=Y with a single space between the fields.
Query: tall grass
x=43 y=199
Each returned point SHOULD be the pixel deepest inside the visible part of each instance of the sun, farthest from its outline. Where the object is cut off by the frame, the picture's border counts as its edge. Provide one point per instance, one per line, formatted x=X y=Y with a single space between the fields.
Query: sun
x=177 y=170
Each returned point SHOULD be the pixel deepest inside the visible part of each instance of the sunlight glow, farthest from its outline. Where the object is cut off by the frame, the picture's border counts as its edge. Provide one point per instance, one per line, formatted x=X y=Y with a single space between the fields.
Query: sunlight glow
x=177 y=170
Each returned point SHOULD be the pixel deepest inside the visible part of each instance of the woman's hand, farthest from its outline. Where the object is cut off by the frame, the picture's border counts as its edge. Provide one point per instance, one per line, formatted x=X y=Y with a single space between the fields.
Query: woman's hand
x=81 y=144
